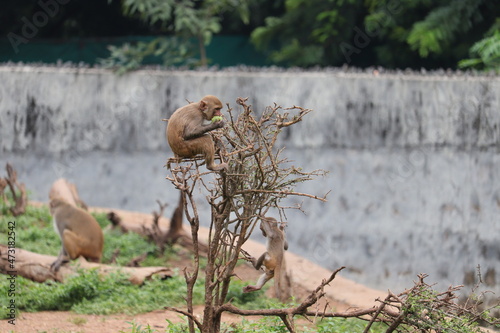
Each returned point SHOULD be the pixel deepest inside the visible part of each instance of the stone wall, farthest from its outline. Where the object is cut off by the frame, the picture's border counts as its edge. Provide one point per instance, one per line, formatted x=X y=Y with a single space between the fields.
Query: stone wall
x=413 y=159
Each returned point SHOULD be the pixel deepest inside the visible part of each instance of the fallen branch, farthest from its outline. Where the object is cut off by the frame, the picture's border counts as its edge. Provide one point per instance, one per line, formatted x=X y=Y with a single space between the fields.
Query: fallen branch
x=36 y=267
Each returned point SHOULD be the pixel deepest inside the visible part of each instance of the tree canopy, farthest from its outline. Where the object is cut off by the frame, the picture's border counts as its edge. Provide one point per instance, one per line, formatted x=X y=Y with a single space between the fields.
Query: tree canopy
x=306 y=33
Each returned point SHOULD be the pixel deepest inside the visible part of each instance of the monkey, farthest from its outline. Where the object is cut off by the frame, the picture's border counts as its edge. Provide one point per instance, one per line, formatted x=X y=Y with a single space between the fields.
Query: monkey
x=80 y=233
x=273 y=259
x=188 y=127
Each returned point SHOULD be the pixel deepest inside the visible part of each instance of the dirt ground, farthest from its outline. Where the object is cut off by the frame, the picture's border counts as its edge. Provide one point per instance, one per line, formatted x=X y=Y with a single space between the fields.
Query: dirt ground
x=342 y=294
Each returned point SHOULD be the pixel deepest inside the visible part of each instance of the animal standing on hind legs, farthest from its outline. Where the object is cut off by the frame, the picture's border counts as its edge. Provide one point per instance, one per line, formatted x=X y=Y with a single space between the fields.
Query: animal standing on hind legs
x=273 y=259
x=188 y=127
x=80 y=233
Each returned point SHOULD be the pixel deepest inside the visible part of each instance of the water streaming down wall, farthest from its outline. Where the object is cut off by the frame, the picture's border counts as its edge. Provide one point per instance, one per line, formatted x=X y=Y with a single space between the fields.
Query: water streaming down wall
x=413 y=160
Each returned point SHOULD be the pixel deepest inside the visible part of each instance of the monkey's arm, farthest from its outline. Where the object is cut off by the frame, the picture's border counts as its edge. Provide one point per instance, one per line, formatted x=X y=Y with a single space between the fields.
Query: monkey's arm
x=258 y=263
x=268 y=275
x=193 y=132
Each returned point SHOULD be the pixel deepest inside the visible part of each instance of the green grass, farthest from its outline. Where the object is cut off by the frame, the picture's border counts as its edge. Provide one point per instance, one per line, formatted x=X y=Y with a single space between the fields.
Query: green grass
x=89 y=292
x=92 y=293
x=34 y=232
x=272 y=325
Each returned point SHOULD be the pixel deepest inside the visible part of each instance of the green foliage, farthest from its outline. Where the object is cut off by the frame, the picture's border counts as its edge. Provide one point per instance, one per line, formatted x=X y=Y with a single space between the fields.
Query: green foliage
x=423 y=313
x=186 y=20
x=387 y=33
x=426 y=33
x=264 y=325
x=274 y=325
x=88 y=292
x=136 y=328
x=34 y=230
x=171 y=50
x=347 y=325
x=249 y=301
x=129 y=244
x=171 y=328
x=101 y=219
x=308 y=33
x=442 y=25
x=486 y=51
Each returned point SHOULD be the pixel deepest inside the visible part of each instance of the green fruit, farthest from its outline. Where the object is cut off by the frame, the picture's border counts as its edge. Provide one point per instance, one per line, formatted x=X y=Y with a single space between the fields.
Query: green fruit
x=216 y=118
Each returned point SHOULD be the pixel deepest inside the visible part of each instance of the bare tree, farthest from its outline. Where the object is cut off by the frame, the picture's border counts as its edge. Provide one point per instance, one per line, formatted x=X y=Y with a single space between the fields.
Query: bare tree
x=256 y=181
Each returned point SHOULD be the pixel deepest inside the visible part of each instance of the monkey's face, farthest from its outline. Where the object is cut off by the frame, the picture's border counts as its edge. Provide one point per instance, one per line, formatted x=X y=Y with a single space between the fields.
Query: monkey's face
x=211 y=106
x=268 y=226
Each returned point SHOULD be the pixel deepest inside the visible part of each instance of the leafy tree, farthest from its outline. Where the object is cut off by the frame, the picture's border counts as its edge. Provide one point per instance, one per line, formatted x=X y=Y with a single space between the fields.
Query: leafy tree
x=388 y=33
x=430 y=34
x=486 y=51
x=184 y=19
x=309 y=32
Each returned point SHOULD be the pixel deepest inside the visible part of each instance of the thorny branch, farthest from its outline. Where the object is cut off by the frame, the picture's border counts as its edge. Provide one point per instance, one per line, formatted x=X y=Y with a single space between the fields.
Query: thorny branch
x=255 y=182
x=419 y=308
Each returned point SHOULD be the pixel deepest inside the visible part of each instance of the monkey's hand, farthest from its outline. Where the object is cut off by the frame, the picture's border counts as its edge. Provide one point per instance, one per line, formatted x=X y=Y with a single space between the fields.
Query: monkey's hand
x=249 y=289
x=218 y=124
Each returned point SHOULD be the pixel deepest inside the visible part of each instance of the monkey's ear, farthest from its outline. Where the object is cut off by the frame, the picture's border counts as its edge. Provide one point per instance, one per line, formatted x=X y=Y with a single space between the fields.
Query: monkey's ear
x=203 y=105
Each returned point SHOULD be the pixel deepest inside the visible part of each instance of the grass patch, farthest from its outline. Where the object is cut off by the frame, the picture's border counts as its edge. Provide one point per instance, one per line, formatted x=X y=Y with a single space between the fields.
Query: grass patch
x=35 y=232
x=89 y=292
x=272 y=325
x=79 y=321
x=92 y=293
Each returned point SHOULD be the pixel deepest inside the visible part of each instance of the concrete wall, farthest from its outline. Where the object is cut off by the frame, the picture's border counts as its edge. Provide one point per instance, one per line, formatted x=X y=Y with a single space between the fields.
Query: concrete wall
x=413 y=160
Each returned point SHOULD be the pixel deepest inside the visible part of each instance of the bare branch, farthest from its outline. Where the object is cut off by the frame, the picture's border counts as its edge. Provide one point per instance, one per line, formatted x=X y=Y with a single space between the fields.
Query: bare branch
x=284 y=193
x=21 y=198
x=187 y=314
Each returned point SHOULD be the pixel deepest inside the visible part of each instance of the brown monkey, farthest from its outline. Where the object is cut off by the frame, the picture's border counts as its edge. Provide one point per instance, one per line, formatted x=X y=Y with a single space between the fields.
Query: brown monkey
x=273 y=259
x=80 y=233
x=187 y=130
